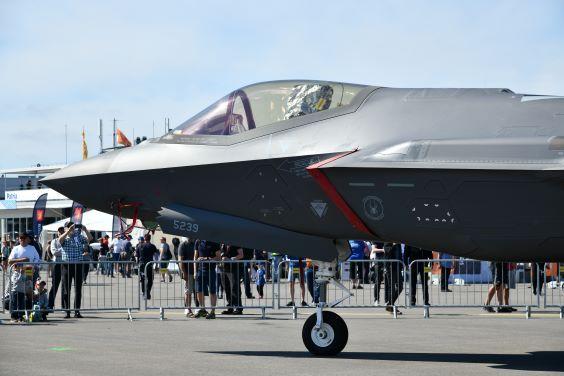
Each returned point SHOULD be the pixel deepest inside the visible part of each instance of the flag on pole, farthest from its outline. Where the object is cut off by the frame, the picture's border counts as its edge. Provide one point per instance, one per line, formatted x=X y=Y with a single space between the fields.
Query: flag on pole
x=84 y=146
x=39 y=214
x=121 y=139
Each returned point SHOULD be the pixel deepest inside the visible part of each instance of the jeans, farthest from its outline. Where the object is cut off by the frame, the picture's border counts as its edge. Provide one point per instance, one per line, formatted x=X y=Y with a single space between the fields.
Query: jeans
x=312 y=286
x=18 y=303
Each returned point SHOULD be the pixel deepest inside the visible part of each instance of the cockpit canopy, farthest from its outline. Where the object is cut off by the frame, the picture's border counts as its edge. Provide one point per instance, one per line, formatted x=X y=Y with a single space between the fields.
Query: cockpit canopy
x=267 y=103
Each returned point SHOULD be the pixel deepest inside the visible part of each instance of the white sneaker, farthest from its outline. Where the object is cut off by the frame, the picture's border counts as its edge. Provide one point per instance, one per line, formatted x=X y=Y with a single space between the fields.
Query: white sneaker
x=376 y=303
x=186 y=311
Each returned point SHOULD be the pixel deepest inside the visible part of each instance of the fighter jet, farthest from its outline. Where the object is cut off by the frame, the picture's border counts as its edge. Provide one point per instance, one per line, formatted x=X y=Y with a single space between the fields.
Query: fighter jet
x=301 y=166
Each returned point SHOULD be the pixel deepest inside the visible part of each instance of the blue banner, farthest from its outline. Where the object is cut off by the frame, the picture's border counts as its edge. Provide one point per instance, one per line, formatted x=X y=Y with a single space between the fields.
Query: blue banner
x=39 y=211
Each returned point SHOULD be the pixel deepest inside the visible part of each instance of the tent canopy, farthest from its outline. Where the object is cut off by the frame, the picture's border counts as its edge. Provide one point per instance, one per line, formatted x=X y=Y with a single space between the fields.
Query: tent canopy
x=93 y=220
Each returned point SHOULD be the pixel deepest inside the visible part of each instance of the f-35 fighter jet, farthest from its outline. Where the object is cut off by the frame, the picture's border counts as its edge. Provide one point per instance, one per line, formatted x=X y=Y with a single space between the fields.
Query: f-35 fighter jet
x=301 y=166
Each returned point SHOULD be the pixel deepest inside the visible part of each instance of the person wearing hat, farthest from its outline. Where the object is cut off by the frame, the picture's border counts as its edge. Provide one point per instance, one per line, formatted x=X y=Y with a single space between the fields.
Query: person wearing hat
x=75 y=247
x=19 y=257
x=24 y=252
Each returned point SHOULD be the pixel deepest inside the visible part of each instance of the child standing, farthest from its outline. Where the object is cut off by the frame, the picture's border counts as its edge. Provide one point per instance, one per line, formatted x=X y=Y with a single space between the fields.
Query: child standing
x=260 y=280
x=40 y=300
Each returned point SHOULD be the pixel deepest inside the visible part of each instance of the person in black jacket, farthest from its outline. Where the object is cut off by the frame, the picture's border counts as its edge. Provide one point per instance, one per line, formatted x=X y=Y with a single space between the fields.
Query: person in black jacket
x=418 y=268
x=146 y=252
x=393 y=280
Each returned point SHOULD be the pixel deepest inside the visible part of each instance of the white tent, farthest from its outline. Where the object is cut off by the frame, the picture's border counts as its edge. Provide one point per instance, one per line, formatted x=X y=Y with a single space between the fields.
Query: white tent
x=93 y=220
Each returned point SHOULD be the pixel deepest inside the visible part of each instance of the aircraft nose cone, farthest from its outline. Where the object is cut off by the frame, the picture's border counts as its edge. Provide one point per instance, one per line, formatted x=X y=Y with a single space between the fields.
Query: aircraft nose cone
x=82 y=180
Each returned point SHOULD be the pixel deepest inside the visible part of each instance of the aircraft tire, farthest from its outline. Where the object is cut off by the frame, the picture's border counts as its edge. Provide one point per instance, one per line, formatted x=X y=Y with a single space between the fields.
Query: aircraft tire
x=330 y=340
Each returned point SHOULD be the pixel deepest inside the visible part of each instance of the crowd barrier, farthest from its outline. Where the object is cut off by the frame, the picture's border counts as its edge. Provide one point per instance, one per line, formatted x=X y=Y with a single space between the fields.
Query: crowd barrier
x=71 y=287
x=552 y=274
x=5 y=293
x=362 y=283
x=472 y=283
x=238 y=285
x=378 y=284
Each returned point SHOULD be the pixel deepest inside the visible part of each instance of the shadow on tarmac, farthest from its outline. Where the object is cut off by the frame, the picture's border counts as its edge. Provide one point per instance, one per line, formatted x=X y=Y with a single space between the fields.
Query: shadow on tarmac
x=550 y=361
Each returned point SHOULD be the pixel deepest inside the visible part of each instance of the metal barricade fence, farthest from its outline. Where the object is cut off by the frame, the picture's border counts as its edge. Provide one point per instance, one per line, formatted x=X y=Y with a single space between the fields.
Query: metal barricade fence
x=77 y=286
x=238 y=285
x=5 y=293
x=551 y=276
x=470 y=283
x=376 y=283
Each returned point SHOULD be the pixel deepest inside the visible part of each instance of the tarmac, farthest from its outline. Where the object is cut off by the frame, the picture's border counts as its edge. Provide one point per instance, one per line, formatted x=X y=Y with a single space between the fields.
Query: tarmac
x=464 y=341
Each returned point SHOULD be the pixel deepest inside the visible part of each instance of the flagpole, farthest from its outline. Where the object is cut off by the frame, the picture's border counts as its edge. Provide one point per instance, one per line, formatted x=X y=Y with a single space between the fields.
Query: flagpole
x=101 y=138
x=114 y=133
x=66 y=146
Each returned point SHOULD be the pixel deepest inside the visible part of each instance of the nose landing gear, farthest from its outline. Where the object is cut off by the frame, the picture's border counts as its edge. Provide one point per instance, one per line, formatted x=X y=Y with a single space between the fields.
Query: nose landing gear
x=325 y=333
x=327 y=340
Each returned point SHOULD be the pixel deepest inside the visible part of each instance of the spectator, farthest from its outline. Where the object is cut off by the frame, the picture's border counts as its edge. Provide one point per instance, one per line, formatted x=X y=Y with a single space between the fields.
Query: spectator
x=245 y=268
x=262 y=257
x=358 y=248
x=75 y=247
x=206 y=252
x=145 y=254
x=377 y=269
x=104 y=256
x=28 y=184
x=312 y=286
x=393 y=281
x=56 y=252
x=165 y=256
x=185 y=258
x=447 y=264
x=40 y=300
x=126 y=256
x=500 y=287
x=275 y=257
x=260 y=280
x=5 y=254
x=21 y=284
x=418 y=269
x=232 y=278
x=296 y=270
x=175 y=246
x=37 y=246
x=537 y=277
x=140 y=241
x=117 y=247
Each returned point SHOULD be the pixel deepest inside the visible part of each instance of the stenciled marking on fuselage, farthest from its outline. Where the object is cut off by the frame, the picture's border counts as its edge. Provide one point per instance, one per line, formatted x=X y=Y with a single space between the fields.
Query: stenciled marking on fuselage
x=319 y=208
x=298 y=167
x=400 y=185
x=185 y=226
x=373 y=207
x=361 y=184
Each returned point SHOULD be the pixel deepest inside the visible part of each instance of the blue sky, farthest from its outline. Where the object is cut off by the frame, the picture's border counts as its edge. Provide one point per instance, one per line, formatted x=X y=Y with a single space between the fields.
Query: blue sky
x=74 y=62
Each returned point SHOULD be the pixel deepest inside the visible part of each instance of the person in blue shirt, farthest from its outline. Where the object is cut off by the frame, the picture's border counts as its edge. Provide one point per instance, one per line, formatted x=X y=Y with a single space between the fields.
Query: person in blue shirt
x=446 y=265
x=260 y=280
x=358 y=249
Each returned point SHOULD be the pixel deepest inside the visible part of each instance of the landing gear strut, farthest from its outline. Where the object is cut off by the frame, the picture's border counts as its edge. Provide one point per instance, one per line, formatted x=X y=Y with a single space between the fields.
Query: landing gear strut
x=325 y=333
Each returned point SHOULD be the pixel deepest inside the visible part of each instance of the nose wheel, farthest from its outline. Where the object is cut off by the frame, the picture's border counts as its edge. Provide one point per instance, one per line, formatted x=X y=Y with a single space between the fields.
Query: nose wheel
x=325 y=333
x=327 y=339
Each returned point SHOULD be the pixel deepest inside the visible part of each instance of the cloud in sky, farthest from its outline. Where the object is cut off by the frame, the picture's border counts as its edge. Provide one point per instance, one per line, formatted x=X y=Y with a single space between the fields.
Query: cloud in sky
x=67 y=62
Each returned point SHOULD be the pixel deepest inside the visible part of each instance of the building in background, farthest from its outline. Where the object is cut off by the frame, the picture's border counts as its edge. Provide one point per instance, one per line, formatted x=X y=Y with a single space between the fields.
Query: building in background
x=19 y=189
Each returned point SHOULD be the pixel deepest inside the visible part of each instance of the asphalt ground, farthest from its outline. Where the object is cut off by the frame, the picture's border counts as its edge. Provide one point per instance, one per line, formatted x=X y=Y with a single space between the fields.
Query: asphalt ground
x=460 y=341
